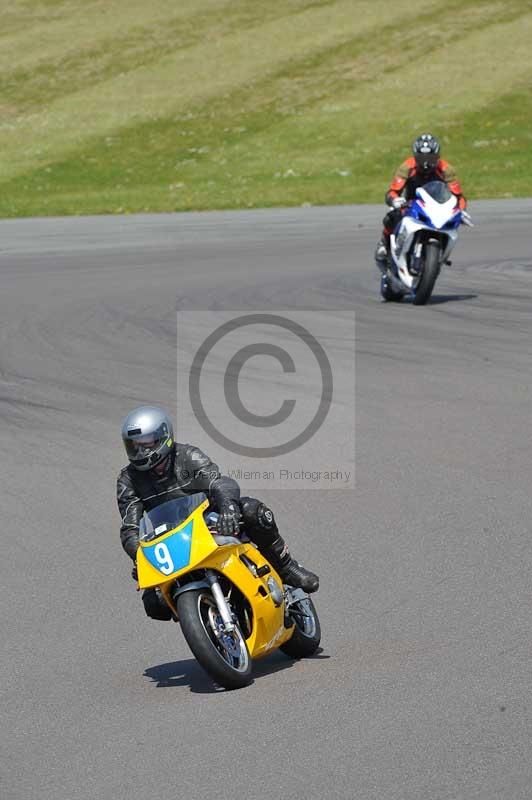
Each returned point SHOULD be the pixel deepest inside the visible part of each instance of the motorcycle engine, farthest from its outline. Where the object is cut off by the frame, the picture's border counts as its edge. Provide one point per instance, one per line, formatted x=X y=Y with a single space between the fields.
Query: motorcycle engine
x=275 y=591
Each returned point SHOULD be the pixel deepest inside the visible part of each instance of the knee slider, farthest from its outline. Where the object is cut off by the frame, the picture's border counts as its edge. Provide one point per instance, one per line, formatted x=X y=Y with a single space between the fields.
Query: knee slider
x=257 y=514
x=265 y=517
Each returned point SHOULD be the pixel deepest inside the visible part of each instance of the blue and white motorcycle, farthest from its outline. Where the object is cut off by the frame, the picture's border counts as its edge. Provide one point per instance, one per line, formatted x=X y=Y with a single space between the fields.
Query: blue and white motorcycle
x=422 y=242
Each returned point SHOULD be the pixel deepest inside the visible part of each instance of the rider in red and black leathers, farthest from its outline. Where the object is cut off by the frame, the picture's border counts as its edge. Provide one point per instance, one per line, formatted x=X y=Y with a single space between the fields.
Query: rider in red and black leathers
x=182 y=469
x=425 y=165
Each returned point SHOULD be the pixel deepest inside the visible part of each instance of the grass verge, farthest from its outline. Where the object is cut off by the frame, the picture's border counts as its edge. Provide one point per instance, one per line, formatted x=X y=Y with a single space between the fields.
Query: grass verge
x=227 y=105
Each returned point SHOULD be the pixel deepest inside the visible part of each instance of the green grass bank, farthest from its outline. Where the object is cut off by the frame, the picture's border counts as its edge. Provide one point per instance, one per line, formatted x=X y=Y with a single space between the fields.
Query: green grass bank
x=116 y=106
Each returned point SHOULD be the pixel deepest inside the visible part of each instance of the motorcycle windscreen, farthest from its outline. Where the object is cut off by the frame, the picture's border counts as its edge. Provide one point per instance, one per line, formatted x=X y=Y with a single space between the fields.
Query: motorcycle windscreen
x=438 y=190
x=168 y=516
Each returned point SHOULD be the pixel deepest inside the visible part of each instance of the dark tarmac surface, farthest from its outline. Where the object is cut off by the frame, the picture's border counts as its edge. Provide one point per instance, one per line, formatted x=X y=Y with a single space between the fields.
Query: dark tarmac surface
x=422 y=688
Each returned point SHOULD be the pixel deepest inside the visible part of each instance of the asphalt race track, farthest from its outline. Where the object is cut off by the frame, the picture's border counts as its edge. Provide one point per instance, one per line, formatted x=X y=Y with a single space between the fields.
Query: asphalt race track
x=422 y=688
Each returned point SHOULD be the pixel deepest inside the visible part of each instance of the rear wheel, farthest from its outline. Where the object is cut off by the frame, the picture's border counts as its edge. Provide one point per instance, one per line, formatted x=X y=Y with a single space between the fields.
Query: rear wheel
x=223 y=655
x=306 y=637
x=430 y=272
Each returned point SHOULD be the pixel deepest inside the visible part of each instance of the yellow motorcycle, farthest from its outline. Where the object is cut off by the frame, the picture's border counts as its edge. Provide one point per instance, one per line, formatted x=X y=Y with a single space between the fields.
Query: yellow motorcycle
x=231 y=603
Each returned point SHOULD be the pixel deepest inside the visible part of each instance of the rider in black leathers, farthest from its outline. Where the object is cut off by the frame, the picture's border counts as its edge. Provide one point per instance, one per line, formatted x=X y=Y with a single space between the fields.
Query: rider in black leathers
x=183 y=470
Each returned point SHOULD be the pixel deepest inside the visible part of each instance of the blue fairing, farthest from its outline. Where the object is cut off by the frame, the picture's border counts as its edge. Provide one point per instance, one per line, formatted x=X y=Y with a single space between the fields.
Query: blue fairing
x=177 y=546
x=417 y=212
x=453 y=223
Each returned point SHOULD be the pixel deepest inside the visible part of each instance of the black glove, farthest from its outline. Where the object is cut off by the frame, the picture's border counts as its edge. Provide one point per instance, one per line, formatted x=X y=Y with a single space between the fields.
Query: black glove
x=134 y=574
x=228 y=520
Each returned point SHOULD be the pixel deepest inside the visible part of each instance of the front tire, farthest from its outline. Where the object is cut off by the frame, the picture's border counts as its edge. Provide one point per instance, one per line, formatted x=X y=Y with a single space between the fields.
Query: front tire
x=225 y=657
x=306 y=637
x=430 y=272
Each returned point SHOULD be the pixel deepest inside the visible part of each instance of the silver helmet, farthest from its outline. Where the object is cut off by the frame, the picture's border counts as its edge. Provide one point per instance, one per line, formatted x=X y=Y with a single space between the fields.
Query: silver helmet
x=148 y=436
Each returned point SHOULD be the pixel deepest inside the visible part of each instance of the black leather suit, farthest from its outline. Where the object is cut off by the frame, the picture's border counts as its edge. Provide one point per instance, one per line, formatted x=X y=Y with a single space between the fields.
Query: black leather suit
x=190 y=471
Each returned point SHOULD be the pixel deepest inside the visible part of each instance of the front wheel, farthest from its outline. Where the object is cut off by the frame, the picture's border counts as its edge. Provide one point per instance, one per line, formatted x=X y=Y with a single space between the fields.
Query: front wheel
x=223 y=655
x=306 y=637
x=430 y=272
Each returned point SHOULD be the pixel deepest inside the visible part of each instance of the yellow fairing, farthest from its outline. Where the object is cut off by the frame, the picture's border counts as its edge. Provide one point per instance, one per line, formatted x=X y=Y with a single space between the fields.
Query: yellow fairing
x=268 y=629
x=268 y=621
x=202 y=544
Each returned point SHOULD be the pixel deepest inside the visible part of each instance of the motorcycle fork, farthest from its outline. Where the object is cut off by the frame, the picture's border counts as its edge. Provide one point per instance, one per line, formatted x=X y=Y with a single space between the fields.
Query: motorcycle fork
x=417 y=256
x=221 y=602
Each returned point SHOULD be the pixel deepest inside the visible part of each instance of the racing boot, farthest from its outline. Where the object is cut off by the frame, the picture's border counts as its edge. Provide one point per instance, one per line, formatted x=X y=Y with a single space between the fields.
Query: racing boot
x=155 y=606
x=260 y=526
x=291 y=572
x=381 y=254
